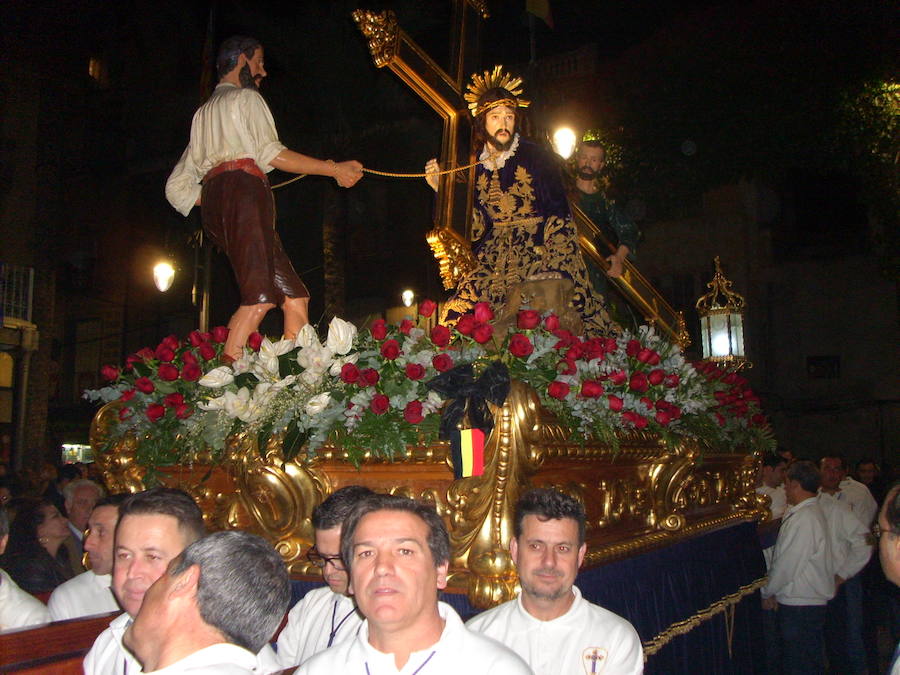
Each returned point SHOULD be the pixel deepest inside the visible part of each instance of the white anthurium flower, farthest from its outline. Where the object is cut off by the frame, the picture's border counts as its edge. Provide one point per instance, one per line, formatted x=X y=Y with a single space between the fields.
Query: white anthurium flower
x=217 y=378
x=317 y=404
x=340 y=336
x=243 y=364
x=311 y=377
x=266 y=366
x=339 y=363
x=286 y=382
x=306 y=337
x=236 y=404
x=316 y=357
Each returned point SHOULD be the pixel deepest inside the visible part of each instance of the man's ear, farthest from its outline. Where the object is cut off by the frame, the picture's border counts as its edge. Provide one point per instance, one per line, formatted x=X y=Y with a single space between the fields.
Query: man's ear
x=513 y=548
x=185 y=585
x=442 y=575
x=581 y=552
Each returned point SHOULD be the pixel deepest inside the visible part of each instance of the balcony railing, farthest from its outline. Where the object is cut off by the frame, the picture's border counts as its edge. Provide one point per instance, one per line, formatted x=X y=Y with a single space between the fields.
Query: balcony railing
x=16 y=290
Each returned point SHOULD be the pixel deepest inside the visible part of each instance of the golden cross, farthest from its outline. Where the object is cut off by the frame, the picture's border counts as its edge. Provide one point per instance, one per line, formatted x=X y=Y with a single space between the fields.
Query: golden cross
x=391 y=47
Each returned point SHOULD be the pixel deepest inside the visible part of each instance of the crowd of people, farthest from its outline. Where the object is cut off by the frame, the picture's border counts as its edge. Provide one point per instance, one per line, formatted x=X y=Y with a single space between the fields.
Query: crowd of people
x=196 y=602
x=829 y=601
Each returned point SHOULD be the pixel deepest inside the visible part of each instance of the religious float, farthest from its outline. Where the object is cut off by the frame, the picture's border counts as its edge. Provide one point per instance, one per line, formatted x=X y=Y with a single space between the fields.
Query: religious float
x=660 y=451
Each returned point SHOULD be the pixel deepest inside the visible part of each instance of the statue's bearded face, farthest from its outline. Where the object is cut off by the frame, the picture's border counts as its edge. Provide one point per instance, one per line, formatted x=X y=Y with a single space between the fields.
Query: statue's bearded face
x=591 y=161
x=499 y=126
x=253 y=70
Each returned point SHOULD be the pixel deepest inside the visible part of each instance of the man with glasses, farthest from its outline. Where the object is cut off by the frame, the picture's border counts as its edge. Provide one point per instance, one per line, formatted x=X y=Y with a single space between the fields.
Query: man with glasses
x=326 y=615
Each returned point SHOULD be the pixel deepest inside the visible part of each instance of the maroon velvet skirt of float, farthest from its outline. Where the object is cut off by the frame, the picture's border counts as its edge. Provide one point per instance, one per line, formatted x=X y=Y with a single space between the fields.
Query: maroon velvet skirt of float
x=238 y=213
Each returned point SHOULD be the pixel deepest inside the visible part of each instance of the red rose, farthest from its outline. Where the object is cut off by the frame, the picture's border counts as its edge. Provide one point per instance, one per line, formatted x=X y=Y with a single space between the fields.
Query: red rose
x=482 y=332
x=758 y=420
x=125 y=413
x=648 y=404
x=593 y=349
x=171 y=342
x=720 y=419
x=206 y=336
x=427 y=307
x=442 y=362
x=663 y=418
x=168 y=372
x=528 y=319
x=520 y=346
x=610 y=345
x=379 y=329
x=566 y=339
x=255 y=341
x=173 y=400
x=109 y=373
x=183 y=411
x=380 y=404
x=656 y=377
x=207 y=351
x=349 y=373
x=466 y=324
x=440 y=336
x=615 y=403
x=144 y=385
x=591 y=389
x=574 y=353
x=188 y=357
x=127 y=395
x=633 y=348
x=641 y=422
x=390 y=350
x=672 y=380
x=558 y=390
x=638 y=382
x=130 y=360
x=618 y=378
x=412 y=413
x=414 y=371
x=483 y=311
x=191 y=372
x=370 y=376
x=146 y=354
x=551 y=323
x=164 y=354
x=406 y=326
x=154 y=412
x=644 y=355
x=195 y=338
x=219 y=334
x=566 y=367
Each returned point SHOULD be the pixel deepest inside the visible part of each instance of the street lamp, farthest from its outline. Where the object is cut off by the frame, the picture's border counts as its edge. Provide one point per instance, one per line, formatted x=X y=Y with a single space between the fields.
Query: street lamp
x=163 y=275
x=721 y=313
x=564 y=140
x=407 y=296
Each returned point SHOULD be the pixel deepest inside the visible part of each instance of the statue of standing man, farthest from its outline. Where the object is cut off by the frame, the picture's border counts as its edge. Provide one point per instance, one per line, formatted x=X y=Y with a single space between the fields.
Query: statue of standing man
x=233 y=145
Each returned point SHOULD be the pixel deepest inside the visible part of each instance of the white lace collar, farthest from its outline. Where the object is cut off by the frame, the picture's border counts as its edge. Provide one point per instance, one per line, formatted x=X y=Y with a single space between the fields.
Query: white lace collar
x=500 y=160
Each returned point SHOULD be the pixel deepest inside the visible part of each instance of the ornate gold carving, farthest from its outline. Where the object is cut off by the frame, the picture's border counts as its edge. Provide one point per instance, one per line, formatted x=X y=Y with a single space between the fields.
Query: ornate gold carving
x=383 y=33
x=454 y=255
x=481 y=7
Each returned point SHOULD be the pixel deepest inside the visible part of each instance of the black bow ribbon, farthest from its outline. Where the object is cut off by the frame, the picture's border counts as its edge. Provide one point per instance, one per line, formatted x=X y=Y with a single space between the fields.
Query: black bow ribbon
x=470 y=395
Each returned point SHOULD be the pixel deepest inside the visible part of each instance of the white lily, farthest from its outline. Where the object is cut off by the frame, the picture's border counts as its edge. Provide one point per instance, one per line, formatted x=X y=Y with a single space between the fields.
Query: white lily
x=306 y=337
x=217 y=378
x=340 y=336
x=237 y=404
x=317 y=404
x=316 y=357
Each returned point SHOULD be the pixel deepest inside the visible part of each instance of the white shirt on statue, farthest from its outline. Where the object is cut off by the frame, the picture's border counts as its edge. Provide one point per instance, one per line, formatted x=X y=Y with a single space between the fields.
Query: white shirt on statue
x=84 y=595
x=219 y=659
x=458 y=652
x=108 y=656
x=19 y=609
x=321 y=619
x=586 y=639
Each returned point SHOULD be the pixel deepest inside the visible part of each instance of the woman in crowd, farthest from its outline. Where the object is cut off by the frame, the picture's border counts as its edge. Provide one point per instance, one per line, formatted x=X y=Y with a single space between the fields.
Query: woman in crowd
x=35 y=557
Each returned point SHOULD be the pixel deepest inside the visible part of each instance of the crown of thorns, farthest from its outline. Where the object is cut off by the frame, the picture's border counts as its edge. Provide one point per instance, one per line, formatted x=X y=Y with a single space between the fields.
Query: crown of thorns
x=493 y=79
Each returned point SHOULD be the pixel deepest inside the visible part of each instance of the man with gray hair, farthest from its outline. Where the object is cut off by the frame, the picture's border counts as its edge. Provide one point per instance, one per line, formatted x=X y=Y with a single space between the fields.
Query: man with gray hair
x=397 y=553
x=80 y=498
x=218 y=604
x=18 y=609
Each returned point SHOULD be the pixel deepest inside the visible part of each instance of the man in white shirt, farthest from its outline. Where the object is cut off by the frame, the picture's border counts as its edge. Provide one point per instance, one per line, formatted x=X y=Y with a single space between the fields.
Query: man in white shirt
x=842 y=487
x=215 y=607
x=233 y=145
x=801 y=578
x=328 y=615
x=397 y=553
x=771 y=483
x=889 y=550
x=154 y=527
x=550 y=624
x=18 y=609
x=89 y=593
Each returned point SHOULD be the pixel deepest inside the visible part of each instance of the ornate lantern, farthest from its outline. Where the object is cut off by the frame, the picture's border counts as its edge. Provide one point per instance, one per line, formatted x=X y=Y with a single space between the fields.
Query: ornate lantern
x=721 y=314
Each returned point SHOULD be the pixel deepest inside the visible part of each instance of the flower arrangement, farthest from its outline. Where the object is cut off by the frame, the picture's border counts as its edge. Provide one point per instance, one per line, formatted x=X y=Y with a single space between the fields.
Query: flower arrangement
x=374 y=391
